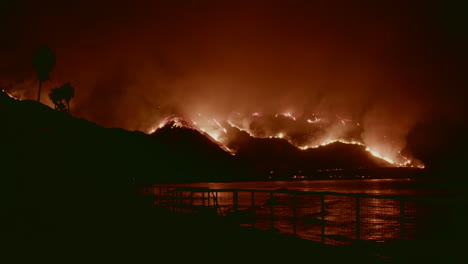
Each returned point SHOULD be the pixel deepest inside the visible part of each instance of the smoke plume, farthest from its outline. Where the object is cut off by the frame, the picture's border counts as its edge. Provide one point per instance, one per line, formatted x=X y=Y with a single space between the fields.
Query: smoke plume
x=370 y=72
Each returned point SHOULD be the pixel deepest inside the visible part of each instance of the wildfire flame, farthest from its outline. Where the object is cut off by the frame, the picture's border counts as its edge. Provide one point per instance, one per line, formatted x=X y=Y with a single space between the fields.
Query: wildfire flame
x=210 y=128
x=288 y=115
x=314 y=121
x=10 y=95
x=214 y=129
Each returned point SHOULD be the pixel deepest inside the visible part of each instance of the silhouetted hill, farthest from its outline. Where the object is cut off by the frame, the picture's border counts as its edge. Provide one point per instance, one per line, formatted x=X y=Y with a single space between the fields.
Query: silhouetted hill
x=340 y=155
x=279 y=156
x=53 y=143
x=192 y=145
x=265 y=154
x=46 y=142
x=58 y=171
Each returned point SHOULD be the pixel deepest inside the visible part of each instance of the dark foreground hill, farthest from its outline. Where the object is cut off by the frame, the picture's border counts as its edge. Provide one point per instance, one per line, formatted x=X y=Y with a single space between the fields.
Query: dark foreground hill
x=42 y=141
x=62 y=175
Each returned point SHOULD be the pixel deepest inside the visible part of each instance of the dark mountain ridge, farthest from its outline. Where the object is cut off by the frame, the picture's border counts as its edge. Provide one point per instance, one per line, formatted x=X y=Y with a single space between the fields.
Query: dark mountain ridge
x=52 y=143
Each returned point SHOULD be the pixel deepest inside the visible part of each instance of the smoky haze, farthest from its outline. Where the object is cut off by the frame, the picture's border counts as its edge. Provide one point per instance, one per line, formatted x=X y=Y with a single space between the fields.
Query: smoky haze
x=386 y=67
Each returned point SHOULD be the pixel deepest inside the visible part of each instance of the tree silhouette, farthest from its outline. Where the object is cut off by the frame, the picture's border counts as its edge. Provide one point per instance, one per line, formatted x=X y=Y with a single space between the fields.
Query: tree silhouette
x=56 y=97
x=67 y=93
x=43 y=61
x=61 y=97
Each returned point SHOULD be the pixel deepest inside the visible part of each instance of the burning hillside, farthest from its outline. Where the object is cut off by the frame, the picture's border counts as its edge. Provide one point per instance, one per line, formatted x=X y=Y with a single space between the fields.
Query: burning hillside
x=304 y=133
x=308 y=73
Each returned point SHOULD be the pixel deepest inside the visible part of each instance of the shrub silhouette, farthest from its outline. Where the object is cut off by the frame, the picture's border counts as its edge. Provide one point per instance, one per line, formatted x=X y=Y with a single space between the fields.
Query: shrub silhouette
x=61 y=97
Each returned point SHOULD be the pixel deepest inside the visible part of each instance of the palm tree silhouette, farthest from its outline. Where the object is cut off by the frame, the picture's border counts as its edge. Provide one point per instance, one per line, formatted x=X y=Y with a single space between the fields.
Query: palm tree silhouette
x=43 y=61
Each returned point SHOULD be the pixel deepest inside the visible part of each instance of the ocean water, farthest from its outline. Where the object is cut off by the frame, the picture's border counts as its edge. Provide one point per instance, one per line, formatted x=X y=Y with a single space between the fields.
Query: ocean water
x=411 y=187
x=417 y=210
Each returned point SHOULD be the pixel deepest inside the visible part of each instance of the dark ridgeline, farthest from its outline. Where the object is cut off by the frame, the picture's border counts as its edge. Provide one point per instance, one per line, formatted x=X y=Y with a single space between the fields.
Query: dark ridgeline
x=262 y=155
x=204 y=159
x=279 y=156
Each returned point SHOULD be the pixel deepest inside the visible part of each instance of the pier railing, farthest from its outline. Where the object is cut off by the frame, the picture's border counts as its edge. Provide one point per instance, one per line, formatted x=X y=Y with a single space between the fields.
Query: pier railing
x=328 y=217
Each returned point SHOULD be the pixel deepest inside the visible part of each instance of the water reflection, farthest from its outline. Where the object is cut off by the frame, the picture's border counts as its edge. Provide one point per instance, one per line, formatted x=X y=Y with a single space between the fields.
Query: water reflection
x=330 y=219
x=368 y=186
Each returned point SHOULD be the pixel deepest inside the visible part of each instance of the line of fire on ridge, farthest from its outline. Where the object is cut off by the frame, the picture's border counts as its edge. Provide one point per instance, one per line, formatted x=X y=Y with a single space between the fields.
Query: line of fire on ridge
x=214 y=135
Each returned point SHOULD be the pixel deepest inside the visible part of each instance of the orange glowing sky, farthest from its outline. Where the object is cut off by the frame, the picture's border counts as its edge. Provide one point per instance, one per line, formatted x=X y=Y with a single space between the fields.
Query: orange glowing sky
x=387 y=66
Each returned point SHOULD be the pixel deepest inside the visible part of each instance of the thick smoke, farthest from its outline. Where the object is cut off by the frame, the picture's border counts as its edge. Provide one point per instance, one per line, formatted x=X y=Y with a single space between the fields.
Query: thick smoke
x=382 y=67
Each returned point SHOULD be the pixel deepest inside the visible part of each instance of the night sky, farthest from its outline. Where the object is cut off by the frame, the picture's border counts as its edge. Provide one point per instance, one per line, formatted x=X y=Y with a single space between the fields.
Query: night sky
x=389 y=65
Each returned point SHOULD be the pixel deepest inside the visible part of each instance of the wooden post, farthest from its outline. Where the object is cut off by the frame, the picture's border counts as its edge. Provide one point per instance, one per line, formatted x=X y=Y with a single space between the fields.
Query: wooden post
x=215 y=202
x=252 y=194
x=402 y=220
x=272 y=212
x=294 y=213
x=179 y=199
x=358 y=218
x=191 y=200
x=322 y=212
x=203 y=198
x=172 y=200
x=157 y=196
